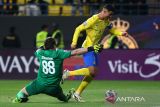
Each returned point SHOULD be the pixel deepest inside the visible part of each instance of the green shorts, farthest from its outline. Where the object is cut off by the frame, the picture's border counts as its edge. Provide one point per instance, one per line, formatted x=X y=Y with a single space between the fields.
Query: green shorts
x=34 y=88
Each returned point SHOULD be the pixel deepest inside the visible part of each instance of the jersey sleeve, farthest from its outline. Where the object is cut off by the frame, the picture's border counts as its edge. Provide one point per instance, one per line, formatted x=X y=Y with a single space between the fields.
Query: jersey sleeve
x=64 y=54
x=115 y=32
x=85 y=25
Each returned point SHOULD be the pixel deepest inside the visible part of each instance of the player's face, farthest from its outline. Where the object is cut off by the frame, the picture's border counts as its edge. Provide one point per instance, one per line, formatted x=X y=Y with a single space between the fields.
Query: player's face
x=105 y=13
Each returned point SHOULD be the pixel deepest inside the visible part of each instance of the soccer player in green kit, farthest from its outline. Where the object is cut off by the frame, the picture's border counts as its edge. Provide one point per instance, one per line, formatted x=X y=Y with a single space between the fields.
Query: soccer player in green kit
x=50 y=72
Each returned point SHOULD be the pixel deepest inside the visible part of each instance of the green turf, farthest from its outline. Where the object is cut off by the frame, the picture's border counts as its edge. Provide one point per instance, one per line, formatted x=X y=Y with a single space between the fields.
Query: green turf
x=93 y=95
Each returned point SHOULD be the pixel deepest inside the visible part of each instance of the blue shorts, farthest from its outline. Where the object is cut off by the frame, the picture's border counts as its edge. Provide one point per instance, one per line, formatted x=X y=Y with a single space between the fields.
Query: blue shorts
x=90 y=59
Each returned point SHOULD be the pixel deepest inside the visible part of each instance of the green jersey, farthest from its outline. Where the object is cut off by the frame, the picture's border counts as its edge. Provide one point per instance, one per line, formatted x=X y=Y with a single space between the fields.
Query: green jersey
x=51 y=64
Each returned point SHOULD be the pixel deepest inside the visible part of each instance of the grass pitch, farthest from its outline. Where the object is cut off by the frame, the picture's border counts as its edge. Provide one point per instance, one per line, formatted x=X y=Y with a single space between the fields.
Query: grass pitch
x=93 y=95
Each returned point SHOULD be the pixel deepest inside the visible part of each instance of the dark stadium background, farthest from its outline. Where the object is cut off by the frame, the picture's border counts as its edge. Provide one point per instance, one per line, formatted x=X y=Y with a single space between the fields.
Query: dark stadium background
x=131 y=73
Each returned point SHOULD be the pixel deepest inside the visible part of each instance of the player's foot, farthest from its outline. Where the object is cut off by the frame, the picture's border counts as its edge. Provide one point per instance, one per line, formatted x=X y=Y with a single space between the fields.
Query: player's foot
x=77 y=97
x=21 y=100
x=16 y=100
x=71 y=92
x=65 y=75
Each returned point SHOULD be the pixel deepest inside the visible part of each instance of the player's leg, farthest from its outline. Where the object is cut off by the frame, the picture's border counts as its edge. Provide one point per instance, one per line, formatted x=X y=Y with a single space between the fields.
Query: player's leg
x=82 y=71
x=22 y=96
x=65 y=98
x=77 y=95
x=31 y=89
x=90 y=59
x=56 y=91
x=85 y=82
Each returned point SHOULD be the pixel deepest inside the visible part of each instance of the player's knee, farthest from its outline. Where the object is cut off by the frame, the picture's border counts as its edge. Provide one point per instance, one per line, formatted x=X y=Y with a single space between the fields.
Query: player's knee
x=93 y=74
x=93 y=71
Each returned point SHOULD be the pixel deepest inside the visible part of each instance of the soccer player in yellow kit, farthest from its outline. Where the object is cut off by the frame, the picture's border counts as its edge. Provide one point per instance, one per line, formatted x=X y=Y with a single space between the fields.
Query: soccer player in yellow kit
x=95 y=27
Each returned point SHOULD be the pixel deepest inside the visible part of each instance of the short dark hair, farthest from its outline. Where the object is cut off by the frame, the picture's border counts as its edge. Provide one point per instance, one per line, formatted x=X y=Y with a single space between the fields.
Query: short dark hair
x=49 y=43
x=109 y=7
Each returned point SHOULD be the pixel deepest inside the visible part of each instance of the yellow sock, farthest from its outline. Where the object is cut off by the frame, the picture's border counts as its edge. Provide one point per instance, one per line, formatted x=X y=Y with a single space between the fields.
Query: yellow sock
x=86 y=80
x=83 y=71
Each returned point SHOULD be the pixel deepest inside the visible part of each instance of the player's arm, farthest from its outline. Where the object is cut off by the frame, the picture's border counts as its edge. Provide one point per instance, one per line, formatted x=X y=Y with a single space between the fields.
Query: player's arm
x=115 y=31
x=79 y=51
x=82 y=27
x=96 y=48
x=110 y=28
x=112 y=39
x=66 y=54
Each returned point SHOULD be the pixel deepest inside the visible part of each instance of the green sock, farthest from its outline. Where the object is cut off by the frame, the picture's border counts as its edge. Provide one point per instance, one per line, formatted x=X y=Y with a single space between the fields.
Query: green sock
x=21 y=95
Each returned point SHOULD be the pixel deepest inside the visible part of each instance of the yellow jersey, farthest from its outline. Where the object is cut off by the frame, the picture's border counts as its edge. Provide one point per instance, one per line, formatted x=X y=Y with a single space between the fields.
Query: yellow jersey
x=95 y=28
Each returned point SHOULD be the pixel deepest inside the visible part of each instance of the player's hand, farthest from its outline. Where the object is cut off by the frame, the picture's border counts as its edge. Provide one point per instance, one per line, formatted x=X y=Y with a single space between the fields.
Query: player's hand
x=98 y=48
x=73 y=46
